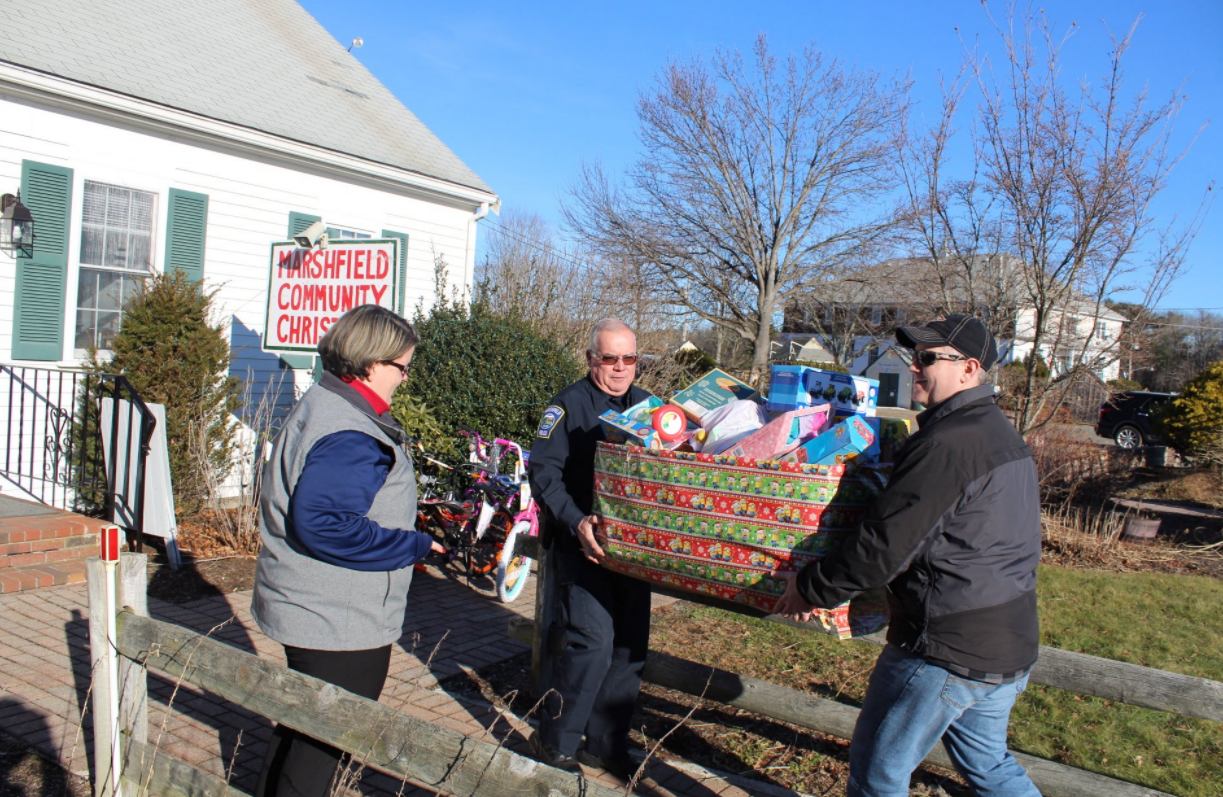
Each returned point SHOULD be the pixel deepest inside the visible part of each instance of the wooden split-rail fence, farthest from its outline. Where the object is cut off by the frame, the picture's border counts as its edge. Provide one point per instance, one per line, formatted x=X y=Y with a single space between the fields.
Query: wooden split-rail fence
x=420 y=752
x=1121 y=682
x=444 y=760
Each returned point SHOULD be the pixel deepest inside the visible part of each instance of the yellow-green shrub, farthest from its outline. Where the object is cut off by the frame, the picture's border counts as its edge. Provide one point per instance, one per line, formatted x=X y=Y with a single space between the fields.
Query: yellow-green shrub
x=1193 y=421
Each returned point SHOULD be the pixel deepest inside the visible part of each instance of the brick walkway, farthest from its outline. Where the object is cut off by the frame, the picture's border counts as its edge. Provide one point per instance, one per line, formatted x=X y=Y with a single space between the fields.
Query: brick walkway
x=44 y=681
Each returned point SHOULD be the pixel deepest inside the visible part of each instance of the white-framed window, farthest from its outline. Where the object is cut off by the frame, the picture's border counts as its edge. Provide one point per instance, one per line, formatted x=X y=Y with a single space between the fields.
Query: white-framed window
x=342 y=233
x=116 y=255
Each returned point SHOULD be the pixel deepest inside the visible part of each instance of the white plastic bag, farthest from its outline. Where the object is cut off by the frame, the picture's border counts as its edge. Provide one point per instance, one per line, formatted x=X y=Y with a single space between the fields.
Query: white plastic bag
x=729 y=424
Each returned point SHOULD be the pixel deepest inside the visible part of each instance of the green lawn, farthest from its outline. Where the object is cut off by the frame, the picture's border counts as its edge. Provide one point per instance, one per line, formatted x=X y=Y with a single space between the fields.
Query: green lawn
x=1172 y=623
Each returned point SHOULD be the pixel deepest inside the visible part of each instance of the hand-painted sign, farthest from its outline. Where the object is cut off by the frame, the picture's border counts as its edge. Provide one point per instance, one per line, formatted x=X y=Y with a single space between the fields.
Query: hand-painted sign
x=309 y=289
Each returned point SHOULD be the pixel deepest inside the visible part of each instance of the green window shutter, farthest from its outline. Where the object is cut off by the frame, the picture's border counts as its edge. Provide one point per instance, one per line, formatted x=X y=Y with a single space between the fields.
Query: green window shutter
x=186 y=225
x=297 y=223
x=42 y=271
x=402 y=276
x=300 y=221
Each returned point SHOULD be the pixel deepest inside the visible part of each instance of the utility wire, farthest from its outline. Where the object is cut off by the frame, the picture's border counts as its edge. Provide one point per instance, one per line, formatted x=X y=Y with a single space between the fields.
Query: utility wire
x=548 y=249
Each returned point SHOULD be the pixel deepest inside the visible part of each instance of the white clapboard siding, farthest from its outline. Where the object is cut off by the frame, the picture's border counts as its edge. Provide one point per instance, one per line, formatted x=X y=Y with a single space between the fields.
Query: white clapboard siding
x=250 y=196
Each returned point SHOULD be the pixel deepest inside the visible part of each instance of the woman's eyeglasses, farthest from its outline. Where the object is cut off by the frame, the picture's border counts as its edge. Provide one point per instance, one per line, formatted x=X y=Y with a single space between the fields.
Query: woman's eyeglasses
x=612 y=359
x=403 y=369
x=926 y=358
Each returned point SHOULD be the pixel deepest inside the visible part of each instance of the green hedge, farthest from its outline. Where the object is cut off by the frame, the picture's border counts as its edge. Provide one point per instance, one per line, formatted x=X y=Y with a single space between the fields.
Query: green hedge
x=474 y=369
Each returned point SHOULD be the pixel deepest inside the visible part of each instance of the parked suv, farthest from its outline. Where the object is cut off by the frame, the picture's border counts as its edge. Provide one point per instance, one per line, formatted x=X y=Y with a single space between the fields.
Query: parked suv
x=1129 y=418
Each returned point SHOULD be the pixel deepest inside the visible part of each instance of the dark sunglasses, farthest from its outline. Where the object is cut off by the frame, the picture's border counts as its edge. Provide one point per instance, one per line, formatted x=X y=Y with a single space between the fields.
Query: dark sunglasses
x=926 y=358
x=612 y=359
x=403 y=369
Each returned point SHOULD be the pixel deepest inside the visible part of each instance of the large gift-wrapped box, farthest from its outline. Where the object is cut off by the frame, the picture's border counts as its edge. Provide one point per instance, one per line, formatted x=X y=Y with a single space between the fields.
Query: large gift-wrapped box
x=722 y=526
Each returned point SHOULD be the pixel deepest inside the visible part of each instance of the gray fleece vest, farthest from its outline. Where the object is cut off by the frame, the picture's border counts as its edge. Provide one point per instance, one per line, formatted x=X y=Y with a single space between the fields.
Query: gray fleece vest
x=299 y=600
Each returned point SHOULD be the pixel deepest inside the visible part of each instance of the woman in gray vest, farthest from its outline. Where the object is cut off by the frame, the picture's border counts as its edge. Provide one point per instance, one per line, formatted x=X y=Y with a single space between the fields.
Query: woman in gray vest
x=337 y=512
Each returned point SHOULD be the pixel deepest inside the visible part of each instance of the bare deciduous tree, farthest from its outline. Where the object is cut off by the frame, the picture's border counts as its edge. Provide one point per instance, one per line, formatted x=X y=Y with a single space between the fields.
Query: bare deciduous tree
x=1056 y=216
x=528 y=276
x=563 y=291
x=757 y=182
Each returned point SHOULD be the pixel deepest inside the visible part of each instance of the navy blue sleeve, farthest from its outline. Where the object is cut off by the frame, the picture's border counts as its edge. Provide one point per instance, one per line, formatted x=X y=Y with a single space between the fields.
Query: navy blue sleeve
x=327 y=511
x=549 y=461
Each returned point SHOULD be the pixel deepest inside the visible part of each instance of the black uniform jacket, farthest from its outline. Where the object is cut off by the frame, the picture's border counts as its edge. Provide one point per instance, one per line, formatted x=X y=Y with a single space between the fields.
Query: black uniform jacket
x=563 y=454
x=955 y=536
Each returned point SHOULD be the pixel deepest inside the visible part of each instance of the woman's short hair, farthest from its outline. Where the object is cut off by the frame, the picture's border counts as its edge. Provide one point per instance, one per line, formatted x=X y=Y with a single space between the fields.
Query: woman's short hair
x=363 y=336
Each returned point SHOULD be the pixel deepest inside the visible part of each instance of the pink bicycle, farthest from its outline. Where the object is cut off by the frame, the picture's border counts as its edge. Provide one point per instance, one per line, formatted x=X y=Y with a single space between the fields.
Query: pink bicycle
x=513 y=570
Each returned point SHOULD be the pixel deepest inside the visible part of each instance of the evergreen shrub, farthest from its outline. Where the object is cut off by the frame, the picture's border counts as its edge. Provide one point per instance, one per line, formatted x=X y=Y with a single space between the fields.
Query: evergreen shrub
x=1192 y=422
x=172 y=354
x=476 y=370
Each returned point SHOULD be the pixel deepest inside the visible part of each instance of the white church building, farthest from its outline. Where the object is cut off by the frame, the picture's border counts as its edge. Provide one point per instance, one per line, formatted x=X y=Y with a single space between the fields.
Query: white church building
x=147 y=136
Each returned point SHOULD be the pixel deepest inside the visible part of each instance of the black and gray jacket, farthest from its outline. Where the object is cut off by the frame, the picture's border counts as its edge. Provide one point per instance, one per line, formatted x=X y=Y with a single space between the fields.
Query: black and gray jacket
x=956 y=539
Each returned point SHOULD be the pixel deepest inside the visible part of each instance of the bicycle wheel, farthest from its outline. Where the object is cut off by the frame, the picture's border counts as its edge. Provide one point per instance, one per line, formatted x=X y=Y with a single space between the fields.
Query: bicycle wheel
x=487 y=550
x=513 y=571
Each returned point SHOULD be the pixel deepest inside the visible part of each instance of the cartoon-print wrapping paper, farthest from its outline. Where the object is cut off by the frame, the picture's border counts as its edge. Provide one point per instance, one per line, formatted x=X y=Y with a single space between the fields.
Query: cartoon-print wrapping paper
x=721 y=525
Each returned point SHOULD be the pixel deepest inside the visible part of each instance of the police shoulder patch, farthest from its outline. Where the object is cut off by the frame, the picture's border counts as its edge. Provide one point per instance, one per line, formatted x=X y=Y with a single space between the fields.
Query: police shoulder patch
x=552 y=417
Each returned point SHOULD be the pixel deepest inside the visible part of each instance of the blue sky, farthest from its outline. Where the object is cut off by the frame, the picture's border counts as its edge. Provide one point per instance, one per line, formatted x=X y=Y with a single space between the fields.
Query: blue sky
x=525 y=92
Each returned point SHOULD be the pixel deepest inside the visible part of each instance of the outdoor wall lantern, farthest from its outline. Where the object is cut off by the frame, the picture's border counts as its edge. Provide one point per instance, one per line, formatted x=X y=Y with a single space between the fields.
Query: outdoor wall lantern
x=16 y=224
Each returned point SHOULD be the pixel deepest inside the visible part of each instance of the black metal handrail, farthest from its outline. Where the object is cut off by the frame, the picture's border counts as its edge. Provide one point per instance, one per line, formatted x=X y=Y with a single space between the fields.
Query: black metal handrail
x=54 y=444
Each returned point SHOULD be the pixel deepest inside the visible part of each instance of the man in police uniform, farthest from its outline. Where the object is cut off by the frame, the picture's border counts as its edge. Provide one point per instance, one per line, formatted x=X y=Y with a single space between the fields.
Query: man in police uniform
x=606 y=616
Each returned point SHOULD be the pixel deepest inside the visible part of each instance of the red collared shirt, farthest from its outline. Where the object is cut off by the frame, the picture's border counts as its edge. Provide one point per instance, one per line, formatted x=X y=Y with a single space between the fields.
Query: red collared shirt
x=375 y=401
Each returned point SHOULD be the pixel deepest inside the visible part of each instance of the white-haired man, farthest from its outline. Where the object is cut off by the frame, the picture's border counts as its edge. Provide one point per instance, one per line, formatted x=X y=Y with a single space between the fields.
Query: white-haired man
x=606 y=616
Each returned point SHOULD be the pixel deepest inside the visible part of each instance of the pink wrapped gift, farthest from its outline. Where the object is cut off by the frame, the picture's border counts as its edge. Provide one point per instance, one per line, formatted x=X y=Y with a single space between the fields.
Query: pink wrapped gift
x=784 y=433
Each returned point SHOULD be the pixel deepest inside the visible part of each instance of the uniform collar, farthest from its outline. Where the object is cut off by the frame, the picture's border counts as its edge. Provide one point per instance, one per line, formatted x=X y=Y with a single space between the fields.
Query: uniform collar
x=618 y=402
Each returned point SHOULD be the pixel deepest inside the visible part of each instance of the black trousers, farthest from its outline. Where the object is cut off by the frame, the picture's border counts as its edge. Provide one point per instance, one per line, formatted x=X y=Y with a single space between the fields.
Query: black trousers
x=295 y=764
x=597 y=676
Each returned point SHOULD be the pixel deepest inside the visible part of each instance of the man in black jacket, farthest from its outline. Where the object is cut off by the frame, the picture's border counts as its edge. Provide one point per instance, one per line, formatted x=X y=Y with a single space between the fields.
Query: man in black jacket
x=606 y=616
x=956 y=539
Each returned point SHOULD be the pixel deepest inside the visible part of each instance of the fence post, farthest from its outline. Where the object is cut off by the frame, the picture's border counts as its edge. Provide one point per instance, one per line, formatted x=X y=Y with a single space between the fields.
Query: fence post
x=133 y=686
x=541 y=653
x=133 y=678
x=99 y=677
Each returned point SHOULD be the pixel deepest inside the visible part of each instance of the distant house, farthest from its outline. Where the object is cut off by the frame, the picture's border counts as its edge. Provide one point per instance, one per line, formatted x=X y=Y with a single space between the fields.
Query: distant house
x=855 y=321
x=148 y=136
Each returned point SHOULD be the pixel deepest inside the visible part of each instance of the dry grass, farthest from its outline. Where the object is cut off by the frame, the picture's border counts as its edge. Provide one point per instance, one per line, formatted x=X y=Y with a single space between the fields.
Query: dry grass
x=1071 y=468
x=1091 y=538
x=1202 y=486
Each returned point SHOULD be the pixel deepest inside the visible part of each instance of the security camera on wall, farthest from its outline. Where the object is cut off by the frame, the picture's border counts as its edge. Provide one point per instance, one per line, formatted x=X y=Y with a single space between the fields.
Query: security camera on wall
x=313 y=236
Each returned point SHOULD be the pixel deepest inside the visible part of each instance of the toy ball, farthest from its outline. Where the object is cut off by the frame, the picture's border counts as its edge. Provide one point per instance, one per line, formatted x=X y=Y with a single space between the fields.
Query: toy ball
x=670 y=423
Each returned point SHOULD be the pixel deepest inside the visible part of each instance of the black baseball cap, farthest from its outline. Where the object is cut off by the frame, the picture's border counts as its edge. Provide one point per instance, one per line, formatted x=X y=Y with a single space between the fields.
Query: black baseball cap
x=965 y=334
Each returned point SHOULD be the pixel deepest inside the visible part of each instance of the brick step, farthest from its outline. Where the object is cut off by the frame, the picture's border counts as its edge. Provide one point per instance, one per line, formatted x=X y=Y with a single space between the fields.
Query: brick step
x=46 y=550
x=21 y=554
x=18 y=579
x=46 y=527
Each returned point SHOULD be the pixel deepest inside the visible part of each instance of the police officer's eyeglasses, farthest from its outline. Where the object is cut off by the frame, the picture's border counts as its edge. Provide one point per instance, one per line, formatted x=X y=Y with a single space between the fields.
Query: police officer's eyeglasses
x=403 y=369
x=612 y=359
x=926 y=358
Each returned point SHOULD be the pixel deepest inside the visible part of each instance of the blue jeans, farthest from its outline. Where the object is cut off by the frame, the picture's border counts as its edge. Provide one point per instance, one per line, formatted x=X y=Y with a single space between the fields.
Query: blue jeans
x=911 y=704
